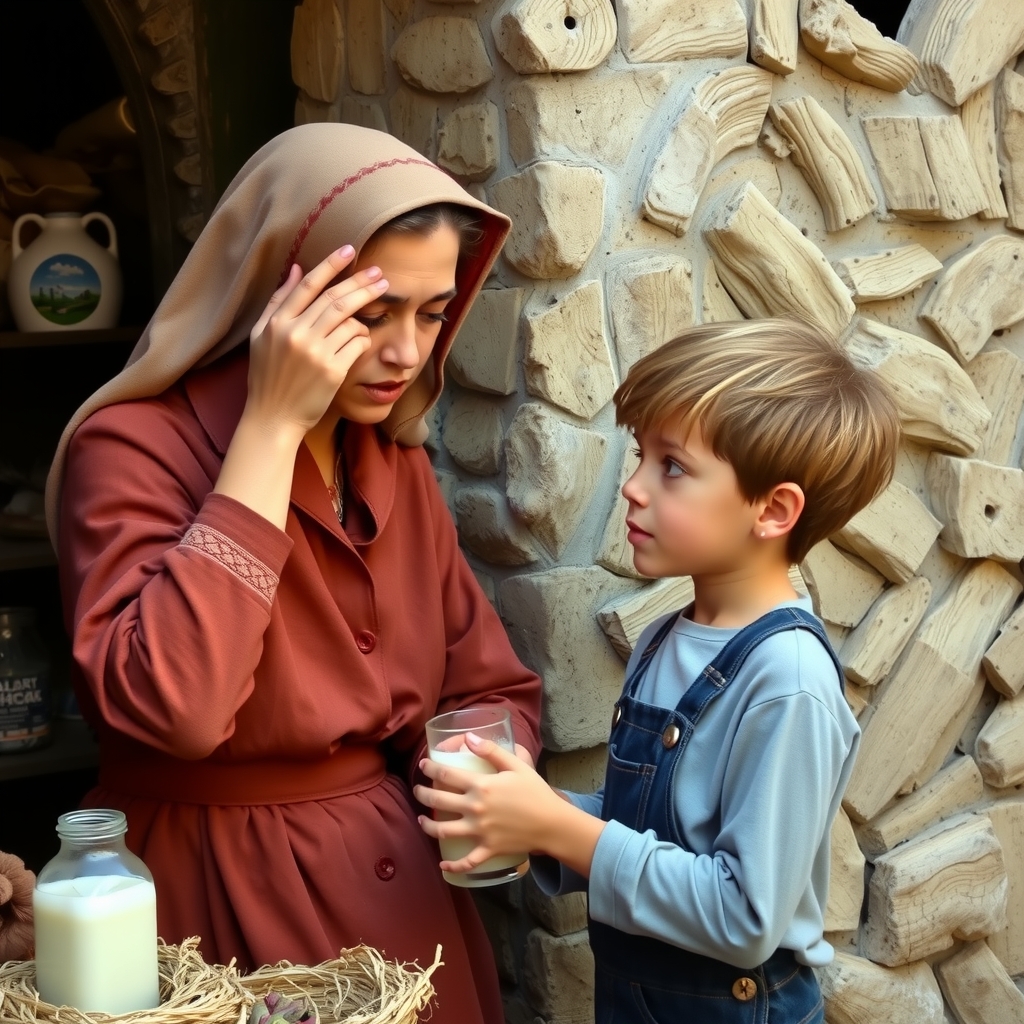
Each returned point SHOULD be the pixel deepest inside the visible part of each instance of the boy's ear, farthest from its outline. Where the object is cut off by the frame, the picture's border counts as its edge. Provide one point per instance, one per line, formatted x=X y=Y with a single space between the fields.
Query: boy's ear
x=780 y=509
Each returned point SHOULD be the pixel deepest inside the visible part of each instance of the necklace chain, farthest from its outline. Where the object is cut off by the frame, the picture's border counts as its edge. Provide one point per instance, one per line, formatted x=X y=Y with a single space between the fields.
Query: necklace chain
x=336 y=493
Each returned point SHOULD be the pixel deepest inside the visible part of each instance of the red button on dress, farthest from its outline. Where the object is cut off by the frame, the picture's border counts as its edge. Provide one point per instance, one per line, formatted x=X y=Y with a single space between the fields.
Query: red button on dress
x=385 y=869
x=365 y=641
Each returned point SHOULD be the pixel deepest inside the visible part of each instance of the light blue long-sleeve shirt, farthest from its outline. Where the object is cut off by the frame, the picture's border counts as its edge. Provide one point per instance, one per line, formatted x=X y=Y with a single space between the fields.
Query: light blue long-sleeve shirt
x=756 y=790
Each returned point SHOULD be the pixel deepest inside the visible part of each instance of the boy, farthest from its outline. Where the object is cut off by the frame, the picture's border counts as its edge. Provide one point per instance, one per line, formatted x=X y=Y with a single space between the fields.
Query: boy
x=707 y=849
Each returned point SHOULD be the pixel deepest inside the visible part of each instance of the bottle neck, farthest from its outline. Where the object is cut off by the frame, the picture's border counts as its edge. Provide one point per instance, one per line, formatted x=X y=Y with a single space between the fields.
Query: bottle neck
x=92 y=828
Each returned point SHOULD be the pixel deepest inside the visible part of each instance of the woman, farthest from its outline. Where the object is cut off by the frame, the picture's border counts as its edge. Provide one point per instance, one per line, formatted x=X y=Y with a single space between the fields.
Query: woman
x=261 y=579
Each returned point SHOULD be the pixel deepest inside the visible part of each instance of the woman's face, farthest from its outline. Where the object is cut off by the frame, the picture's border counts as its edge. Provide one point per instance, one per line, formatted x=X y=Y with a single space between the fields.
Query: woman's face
x=404 y=322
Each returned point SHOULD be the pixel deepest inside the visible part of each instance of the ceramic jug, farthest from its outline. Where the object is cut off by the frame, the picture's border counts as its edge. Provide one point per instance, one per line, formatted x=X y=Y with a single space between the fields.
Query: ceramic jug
x=64 y=280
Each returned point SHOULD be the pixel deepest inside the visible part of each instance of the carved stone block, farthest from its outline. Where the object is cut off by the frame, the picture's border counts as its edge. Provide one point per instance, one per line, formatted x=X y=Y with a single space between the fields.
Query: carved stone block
x=624 y=618
x=950 y=791
x=769 y=267
x=835 y=33
x=999 y=750
x=893 y=533
x=831 y=165
x=567 y=359
x=317 y=51
x=414 y=119
x=488 y=528
x=870 y=651
x=978 y=988
x=651 y=303
x=716 y=303
x=884 y=275
x=473 y=433
x=467 y=143
x=925 y=166
x=484 y=355
x=945 y=885
x=579 y=771
x=443 y=54
x=846 y=878
x=949 y=740
x=999 y=378
x=774 y=36
x=616 y=553
x=978 y=117
x=557 y=213
x=1004 y=660
x=550 y=618
x=938 y=402
x=560 y=915
x=725 y=111
x=558 y=975
x=552 y=468
x=554 y=35
x=981 y=505
x=311 y=111
x=363 y=112
x=1007 y=819
x=652 y=31
x=855 y=989
x=1010 y=110
x=842 y=587
x=367 y=48
x=597 y=115
x=981 y=292
x=962 y=46
x=929 y=686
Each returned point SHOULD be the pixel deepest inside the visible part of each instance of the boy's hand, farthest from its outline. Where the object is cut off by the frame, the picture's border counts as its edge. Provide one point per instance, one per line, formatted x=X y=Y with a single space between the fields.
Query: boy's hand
x=510 y=812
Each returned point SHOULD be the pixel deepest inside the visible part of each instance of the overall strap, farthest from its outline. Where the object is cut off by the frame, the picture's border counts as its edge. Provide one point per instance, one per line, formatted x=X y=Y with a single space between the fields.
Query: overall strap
x=716 y=676
x=731 y=657
x=640 y=670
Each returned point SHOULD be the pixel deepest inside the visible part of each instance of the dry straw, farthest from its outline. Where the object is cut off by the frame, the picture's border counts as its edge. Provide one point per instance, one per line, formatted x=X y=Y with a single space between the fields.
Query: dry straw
x=359 y=987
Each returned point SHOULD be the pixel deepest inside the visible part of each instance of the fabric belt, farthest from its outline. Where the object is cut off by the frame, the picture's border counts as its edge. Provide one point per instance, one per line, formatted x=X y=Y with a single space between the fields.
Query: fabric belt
x=155 y=776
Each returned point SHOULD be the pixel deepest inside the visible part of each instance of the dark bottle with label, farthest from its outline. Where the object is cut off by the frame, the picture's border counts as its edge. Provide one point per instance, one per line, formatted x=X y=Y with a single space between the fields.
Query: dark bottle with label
x=24 y=683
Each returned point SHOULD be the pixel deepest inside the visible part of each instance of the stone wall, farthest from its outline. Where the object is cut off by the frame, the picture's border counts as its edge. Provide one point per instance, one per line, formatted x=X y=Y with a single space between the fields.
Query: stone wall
x=668 y=162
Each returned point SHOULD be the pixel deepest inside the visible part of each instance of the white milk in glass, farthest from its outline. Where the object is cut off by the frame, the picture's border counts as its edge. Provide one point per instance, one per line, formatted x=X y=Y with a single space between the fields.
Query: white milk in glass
x=456 y=848
x=94 y=943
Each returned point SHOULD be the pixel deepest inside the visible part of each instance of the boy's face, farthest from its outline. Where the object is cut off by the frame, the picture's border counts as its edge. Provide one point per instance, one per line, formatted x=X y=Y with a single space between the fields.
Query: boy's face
x=687 y=515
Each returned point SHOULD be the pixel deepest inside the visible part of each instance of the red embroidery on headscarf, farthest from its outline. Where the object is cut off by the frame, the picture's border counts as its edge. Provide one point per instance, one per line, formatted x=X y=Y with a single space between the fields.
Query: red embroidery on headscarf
x=329 y=197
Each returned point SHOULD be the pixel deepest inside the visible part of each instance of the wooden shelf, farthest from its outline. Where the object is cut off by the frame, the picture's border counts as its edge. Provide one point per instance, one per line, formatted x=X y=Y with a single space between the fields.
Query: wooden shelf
x=42 y=339
x=25 y=554
x=71 y=749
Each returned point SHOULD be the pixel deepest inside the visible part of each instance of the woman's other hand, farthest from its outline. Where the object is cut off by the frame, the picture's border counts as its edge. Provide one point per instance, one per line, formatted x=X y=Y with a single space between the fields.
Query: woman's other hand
x=306 y=341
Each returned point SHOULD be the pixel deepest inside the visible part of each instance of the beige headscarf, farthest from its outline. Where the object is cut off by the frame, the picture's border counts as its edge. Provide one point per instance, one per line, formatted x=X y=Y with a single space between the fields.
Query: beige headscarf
x=304 y=194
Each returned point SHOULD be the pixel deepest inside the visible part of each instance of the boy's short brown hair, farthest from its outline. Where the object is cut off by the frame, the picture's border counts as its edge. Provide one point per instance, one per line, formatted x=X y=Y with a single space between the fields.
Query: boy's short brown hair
x=780 y=401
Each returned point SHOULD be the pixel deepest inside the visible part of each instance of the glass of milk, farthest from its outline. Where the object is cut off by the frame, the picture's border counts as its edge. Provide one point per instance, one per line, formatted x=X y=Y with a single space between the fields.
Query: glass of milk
x=446 y=743
x=95 y=919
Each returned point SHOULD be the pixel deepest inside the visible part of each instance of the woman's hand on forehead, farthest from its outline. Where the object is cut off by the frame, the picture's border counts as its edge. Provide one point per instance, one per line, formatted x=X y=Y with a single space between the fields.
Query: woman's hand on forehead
x=307 y=339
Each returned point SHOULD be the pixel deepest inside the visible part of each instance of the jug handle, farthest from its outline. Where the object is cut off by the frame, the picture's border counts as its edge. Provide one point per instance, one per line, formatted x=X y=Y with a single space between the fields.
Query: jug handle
x=103 y=219
x=16 y=249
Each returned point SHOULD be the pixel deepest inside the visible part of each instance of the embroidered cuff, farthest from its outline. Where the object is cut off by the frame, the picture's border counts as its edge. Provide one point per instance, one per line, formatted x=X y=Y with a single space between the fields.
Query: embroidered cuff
x=249 y=569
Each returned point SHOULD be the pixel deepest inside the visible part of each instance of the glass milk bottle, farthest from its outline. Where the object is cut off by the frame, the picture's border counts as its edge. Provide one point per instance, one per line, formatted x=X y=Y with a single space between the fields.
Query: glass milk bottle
x=95 y=919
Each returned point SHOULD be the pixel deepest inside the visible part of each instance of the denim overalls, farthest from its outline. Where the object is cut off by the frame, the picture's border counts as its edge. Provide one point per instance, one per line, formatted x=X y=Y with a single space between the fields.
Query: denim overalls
x=639 y=979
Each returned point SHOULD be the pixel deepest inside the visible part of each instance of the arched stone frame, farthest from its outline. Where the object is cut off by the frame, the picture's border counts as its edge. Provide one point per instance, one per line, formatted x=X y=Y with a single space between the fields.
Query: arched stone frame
x=152 y=46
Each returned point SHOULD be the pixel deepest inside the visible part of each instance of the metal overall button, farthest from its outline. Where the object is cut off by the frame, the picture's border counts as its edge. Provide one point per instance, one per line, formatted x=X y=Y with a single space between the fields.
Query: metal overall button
x=670 y=737
x=744 y=989
x=616 y=715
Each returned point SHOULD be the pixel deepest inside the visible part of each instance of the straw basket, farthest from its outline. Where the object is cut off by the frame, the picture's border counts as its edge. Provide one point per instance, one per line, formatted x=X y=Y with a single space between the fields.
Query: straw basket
x=359 y=987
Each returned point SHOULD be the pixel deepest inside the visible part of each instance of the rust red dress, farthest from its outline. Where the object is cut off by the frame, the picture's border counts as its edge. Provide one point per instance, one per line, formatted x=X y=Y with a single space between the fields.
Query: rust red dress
x=260 y=695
